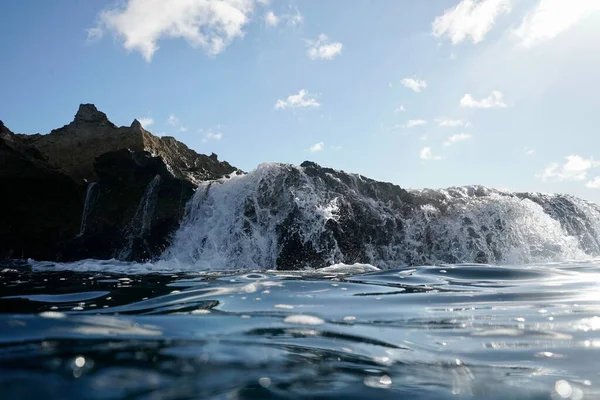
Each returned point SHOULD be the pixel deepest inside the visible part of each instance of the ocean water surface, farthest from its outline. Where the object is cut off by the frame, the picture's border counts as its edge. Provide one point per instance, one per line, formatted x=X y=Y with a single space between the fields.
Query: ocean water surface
x=114 y=330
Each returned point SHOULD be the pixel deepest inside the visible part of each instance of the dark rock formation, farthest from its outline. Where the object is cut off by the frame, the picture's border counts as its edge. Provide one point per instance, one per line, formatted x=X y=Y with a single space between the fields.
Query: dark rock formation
x=94 y=190
x=40 y=207
x=132 y=209
x=73 y=148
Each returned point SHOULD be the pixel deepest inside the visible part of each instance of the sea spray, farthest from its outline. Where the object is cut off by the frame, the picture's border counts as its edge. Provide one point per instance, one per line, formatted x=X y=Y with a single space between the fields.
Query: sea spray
x=283 y=216
x=90 y=198
x=140 y=226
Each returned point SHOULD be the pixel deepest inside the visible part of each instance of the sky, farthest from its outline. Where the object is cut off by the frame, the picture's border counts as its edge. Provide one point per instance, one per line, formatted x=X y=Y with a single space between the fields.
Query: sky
x=436 y=93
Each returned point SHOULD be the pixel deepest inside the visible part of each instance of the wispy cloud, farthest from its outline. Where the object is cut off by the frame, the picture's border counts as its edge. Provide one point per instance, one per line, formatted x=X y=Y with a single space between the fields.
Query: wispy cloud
x=292 y=19
x=183 y=129
x=317 y=147
x=146 y=121
x=457 y=137
x=209 y=24
x=415 y=122
x=211 y=135
x=575 y=168
x=495 y=100
x=594 y=183
x=300 y=100
x=323 y=48
x=271 y=19
x=451 y=123
x=414 y=83
x=551 y=18
x=400 y=109
x=427 y=154
x=173 y=120
x=528 y=151
x=470 y=19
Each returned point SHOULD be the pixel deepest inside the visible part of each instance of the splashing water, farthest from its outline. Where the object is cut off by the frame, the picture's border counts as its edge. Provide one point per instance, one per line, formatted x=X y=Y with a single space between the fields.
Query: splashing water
x=262 y=219
x=90 y=198
x=142 y=220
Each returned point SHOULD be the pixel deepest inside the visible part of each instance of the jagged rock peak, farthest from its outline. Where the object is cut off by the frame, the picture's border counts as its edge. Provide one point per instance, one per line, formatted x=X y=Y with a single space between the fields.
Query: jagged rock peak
x=136 y=125
x=89 y=113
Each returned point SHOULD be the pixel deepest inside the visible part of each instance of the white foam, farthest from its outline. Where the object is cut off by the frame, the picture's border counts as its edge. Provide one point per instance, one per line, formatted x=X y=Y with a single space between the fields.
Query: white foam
x=342 y=268
x=303 y=320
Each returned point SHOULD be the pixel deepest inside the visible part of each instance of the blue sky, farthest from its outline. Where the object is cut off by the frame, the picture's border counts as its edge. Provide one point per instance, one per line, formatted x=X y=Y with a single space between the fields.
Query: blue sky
x=435 y=93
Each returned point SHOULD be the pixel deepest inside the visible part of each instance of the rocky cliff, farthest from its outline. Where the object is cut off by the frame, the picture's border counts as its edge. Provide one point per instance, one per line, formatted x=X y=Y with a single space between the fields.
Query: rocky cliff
x=73 y=148
x=94 y=190
x=40 y=207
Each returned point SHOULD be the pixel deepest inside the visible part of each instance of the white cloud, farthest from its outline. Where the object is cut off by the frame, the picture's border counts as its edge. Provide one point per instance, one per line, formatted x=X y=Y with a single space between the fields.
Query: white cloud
x=400 y=109
x=209 y=24
x=146 y=121
x=451 y=122
x=94 y=34
x=551 y=18
x=414 y=84
x=271 y=19
x=300 y=100
x=528 y=151
x=594 y=183
x=317 y=147
x=173 y=120
x=323 y=48
x=427 y=154
x=495 y=100
x=423 y=137
x=575 y=168
x=292 y=19
x=457 y=137
x=337 y=147
x=415 y=122
x=183 y=129
x=264 y=2
x=212 y=135
x=470 y=18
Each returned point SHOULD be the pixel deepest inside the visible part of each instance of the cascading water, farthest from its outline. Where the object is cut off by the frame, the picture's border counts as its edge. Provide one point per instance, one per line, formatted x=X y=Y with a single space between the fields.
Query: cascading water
x=90 y=198
x=141 y=223
x=299 y=217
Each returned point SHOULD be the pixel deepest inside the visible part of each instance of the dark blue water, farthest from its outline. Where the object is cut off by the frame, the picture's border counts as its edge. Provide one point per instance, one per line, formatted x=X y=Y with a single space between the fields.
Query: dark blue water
x=439 y=332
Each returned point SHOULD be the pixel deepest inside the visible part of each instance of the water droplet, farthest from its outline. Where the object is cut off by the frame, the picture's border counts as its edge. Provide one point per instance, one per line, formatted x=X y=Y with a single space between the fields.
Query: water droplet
x=80 y=362
x=264 y=382
x=563 y=388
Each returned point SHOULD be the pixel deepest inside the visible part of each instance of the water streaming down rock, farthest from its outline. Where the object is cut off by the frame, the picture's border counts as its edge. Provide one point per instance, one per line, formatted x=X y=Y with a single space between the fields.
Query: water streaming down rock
x=90 y=198
x=140 y=225
x=288 y=217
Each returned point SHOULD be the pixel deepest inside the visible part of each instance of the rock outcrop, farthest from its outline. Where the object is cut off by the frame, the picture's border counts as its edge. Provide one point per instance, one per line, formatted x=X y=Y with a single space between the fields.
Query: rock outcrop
x=94 y=190
x=137 y=190
x=73 y=148
x=40 y=207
